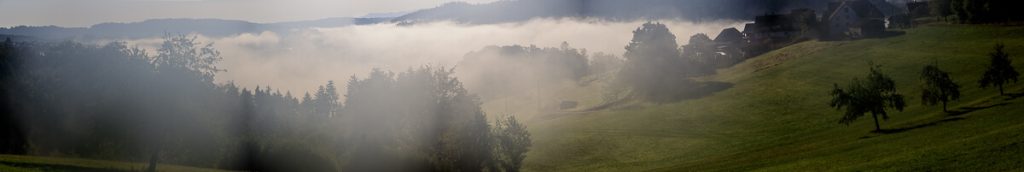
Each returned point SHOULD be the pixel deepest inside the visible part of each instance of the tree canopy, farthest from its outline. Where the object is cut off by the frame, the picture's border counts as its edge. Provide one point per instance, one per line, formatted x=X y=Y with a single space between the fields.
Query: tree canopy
x=937 y=87
x=1000 y=71
x=653 y=66
x=874 y=94
x=118 y=103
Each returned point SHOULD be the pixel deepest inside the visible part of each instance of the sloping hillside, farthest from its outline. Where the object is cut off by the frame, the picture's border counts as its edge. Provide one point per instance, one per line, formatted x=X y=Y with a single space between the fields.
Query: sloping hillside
x=18 y=163
x=776 y=117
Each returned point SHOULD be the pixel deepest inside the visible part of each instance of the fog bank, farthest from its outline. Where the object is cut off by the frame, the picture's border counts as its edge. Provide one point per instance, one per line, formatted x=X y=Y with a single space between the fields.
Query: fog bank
x=300 y=60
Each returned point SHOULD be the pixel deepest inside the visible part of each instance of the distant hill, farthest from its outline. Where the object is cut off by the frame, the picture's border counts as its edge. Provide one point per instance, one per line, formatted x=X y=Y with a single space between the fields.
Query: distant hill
x=614 y=10
x=693 y=10
x=159 y=27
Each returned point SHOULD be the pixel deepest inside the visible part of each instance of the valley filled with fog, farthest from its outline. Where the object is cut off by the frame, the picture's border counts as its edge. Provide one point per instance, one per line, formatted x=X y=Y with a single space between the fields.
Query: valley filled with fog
x=301 y=59
x=511 y=85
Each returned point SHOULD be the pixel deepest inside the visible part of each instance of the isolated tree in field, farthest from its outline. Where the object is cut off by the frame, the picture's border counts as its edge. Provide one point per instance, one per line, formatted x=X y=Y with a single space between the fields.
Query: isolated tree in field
x=512 y=143
x=874 y=95
x=1000 y=72
x=938 y=87
x=653 y=66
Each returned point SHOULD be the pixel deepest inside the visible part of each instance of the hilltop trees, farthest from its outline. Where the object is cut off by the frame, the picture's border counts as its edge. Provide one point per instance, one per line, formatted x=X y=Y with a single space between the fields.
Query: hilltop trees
x=1000 y=71
x=118 y=103
x=940 y=8
x=113 y=102
x=874 y=94
x=326 y=102
x=956 y=7
x=181 y=52
x=978 y=11
x=653 y=67
x=495 y=71
x=184 y=62
x=701 y=49
x=938 y=87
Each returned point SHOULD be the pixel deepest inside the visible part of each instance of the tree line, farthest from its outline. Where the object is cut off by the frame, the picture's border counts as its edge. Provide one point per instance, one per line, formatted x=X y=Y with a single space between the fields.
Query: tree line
x=117 y=102
x=977 y=11
x=657 y=69
x=876 y=94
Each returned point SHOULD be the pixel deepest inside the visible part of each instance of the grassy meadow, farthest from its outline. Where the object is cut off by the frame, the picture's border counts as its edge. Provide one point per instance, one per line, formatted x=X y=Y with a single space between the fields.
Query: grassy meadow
x=776 y=114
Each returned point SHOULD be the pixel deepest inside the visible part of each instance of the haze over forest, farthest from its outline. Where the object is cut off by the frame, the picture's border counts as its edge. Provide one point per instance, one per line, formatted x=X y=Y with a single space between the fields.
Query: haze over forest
x=510 y=85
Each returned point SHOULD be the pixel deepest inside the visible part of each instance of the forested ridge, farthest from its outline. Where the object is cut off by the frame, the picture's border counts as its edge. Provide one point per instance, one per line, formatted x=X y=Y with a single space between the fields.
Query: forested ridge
x=116 y=102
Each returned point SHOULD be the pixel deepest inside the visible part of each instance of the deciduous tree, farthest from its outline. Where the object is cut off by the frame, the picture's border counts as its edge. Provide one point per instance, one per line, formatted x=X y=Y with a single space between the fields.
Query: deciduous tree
x=874 y=94
x=938 y=87
x=1000 y=71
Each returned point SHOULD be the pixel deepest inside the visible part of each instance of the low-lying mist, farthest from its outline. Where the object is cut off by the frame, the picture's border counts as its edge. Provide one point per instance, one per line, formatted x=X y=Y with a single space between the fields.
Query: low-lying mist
x=300 y=60
x=396 y=97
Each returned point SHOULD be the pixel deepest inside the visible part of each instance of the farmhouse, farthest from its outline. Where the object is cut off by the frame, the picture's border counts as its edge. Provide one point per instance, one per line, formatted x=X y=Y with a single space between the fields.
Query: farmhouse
x=854 y=19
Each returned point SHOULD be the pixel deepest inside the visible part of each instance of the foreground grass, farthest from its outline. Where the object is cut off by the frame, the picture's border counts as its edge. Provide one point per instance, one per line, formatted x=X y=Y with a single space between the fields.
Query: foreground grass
x=17 y=163
x=776 y=115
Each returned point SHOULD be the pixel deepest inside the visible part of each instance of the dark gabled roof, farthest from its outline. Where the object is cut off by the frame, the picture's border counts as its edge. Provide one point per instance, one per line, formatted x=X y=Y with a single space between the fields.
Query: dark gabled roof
x=729 y=35
x=863 y=9
x=834 y=12
x=749 y=28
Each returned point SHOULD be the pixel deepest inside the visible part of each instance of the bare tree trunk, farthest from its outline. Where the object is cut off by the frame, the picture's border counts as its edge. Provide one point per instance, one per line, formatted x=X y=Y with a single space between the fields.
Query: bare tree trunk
x=877 y=128
x=1001 y=90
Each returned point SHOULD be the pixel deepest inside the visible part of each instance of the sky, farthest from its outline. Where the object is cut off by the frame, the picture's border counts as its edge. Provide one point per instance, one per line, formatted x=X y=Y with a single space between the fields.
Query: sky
x=81 y=13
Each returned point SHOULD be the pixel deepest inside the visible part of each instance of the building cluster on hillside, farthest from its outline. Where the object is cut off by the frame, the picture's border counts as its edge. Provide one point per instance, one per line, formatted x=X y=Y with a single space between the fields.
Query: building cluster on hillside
x=843 y=20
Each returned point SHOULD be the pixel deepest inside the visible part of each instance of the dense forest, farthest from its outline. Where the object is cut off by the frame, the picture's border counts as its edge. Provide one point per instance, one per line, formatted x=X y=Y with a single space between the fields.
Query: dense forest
x=976 y=11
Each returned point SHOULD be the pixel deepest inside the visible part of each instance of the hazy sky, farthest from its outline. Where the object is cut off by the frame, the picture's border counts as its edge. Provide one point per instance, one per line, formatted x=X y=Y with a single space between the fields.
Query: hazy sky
x=89 y=12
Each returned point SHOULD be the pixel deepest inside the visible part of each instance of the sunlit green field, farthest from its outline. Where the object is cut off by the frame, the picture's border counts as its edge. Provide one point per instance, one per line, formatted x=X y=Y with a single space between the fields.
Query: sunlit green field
x=776 y=115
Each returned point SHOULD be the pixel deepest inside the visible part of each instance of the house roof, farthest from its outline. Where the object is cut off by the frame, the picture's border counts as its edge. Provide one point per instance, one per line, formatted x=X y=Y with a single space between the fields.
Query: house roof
x=836 y=11
x=729 y=34
x=862 y=8
x=749 y=28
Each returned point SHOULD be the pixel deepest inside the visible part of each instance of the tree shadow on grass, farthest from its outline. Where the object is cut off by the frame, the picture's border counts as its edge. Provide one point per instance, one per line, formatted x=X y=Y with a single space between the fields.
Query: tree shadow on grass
x=889 y=33
x=1012 y=96
x=908 y=128
x=701 y=89
x=965 y=110
x=956 y=115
